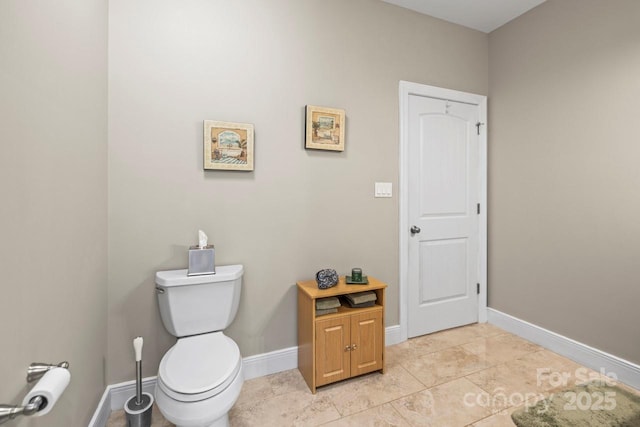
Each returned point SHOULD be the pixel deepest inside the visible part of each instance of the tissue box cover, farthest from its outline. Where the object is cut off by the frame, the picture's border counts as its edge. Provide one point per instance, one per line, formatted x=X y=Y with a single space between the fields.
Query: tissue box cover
x=201 y=261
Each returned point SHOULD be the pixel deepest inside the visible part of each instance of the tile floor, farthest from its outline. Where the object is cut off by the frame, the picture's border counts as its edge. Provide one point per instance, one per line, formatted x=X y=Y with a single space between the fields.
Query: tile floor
x=475 y=376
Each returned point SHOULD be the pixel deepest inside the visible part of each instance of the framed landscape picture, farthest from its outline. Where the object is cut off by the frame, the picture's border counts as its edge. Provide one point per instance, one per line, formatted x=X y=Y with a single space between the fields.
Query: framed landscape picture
x=228 y=146
x=324 y=128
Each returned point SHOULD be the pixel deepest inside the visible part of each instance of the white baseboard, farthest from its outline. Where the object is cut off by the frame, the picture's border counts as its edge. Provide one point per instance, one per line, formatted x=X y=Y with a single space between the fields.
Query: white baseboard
x=102 y=412
x=273 y=362
x=260 y=365
x=393 y=335
x=626 y=372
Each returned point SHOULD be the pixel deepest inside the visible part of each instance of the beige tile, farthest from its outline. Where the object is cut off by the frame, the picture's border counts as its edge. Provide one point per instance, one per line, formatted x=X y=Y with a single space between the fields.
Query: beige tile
x=287 y=381
x=380 y=416
x=487 y=329
x=396 y=354
x=501 y=419
x=450 y=404
x=443 y=366
x=296 y=408
x=426 y=344
x=465 y=334
x=419 y=346
x=255 y=389
x=549 y=371
x=509 y=385
x=117 y=419
x=501 y=348
x=271 y=385
x=157 y=420
x=535 y=374
x=505 y=385
x=367 y=391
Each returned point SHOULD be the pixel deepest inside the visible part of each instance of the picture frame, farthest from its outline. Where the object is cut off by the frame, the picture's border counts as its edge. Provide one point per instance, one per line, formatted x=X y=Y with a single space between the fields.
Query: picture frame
x=228 y=146
x=324 y=128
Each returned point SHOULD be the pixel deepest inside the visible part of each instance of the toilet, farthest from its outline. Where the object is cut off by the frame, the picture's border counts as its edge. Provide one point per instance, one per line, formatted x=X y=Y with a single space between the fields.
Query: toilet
x=200 y=377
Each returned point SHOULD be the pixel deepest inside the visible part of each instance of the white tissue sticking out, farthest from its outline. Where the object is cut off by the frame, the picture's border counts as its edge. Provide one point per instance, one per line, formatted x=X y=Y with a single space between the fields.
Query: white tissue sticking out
x=202 y=239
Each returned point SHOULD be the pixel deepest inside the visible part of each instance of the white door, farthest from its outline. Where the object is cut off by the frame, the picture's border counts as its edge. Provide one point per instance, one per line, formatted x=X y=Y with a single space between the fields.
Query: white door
x=443 y=214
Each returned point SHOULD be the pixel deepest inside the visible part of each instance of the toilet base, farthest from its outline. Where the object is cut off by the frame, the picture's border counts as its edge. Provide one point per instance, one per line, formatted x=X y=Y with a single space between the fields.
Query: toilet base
x=222 y=421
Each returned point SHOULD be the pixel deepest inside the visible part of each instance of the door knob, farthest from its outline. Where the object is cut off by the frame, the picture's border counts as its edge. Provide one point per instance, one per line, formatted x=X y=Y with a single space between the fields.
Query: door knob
x=415 y=230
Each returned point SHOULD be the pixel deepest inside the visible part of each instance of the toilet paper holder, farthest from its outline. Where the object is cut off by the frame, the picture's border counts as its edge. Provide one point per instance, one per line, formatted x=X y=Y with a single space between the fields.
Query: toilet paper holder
x=35 y=371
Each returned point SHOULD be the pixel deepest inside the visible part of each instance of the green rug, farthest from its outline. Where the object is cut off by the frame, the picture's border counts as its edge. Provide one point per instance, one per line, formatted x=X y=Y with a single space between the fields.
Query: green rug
x=591 y=404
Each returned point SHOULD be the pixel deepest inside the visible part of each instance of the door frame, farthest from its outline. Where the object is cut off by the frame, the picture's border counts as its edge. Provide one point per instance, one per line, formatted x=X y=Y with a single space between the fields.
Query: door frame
x=407 y=89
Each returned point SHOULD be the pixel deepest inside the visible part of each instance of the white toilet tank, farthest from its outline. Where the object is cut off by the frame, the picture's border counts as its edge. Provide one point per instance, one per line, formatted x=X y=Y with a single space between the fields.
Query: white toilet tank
x=198 y=304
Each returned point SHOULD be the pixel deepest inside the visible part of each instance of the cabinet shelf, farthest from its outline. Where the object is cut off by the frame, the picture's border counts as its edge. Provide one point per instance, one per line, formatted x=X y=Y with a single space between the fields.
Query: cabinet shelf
x=336 y=346
x=345 y=309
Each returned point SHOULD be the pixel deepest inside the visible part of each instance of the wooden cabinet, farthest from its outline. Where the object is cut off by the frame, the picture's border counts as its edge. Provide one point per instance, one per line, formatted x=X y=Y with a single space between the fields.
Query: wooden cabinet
x=340 y=345
x=347 y=346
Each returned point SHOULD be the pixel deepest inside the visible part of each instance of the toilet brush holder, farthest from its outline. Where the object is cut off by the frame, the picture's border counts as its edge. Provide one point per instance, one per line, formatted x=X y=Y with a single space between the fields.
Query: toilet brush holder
x=139 y=415
x=139 y=407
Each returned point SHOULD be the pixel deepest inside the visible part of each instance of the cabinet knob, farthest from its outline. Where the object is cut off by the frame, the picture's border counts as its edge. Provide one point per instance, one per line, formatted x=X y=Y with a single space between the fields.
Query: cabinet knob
x=354 y=346
x=347 y=348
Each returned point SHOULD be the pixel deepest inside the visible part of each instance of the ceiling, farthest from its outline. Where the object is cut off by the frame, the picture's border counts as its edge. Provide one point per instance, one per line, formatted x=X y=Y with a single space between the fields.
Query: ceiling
x=481 y=15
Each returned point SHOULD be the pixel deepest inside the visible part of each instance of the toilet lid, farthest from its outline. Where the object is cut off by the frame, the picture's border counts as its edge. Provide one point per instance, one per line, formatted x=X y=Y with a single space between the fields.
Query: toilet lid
x=200 y=364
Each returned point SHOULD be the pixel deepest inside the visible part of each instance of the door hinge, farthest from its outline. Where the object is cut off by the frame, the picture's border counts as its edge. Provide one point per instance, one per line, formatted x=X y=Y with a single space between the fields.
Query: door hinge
x=478 y=126
x=478 y=288
x=478 y=208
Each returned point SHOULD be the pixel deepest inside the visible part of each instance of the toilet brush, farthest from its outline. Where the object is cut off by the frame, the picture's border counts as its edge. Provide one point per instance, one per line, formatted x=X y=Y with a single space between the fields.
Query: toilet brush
x=138 y=408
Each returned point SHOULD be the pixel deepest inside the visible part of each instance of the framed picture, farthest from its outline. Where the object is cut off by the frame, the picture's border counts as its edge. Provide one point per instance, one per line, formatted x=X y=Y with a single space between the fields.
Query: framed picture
x=228 y=146
x=324 y=128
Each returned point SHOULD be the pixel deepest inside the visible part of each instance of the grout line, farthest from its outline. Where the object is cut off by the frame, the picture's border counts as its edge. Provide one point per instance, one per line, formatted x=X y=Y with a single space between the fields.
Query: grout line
x=414 y=377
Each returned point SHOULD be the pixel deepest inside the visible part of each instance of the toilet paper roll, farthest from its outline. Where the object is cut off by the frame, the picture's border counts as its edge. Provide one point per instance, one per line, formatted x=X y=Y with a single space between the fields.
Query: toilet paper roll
x=50 y=387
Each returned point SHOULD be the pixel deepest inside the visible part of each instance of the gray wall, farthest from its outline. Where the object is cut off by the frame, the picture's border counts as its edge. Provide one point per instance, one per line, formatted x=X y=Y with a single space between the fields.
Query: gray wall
x=53 y=214
x=564 y=174
x=174 y=64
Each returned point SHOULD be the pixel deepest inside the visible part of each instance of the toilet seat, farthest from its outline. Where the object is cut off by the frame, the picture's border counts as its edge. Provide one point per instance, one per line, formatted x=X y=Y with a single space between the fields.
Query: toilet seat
x=199 y=367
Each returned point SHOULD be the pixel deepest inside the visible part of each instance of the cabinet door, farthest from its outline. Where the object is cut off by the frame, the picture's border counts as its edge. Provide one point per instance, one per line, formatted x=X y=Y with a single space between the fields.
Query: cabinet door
x=366 y=342
x=332 y=350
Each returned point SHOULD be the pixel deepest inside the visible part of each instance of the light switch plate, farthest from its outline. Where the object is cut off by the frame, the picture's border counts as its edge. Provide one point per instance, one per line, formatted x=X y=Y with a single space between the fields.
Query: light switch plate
x=383 y=189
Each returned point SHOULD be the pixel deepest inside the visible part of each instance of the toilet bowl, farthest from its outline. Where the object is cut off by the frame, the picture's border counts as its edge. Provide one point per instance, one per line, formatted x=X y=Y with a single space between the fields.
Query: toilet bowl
x=199 y=380
x=200 y=377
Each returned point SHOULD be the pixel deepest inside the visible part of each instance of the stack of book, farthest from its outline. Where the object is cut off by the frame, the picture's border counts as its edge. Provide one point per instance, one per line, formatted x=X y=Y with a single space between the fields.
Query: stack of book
x=327 y=305
x=361 y=299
